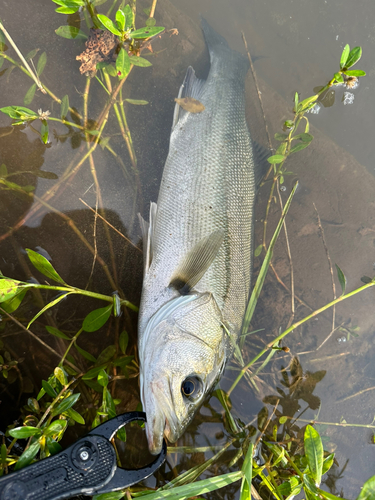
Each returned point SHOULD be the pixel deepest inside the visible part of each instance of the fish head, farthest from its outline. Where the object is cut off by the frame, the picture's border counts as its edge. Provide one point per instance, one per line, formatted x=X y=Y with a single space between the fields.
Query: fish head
x=182 y=358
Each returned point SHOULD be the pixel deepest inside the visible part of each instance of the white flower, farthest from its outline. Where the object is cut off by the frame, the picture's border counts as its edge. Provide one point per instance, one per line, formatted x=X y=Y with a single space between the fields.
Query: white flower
x=43 y=115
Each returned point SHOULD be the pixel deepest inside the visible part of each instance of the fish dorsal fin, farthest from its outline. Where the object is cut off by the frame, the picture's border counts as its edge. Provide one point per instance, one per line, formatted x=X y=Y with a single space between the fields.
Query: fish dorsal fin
x=196 y=262
x=147 y=229
x=191 y=87
x=260 y=160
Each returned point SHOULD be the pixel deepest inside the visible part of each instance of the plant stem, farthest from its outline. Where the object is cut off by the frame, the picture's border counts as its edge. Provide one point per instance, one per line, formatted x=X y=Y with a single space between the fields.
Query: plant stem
x=79 y=291
x=294 y=326
x=49 y=92
x=91 y=11
x=32 y=75
x=153 y=6
x=73 y=341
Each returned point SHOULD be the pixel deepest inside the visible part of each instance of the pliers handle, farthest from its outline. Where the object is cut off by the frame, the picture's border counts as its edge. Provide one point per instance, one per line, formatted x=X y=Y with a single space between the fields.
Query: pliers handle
x=87 y=467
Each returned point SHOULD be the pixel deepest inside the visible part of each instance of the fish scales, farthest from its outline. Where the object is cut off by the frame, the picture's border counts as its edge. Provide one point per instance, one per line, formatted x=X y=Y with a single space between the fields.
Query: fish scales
x=208 y=188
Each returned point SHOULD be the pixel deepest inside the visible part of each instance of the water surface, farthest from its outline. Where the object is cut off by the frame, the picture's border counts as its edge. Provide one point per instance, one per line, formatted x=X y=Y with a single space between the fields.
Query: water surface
x=296 y=47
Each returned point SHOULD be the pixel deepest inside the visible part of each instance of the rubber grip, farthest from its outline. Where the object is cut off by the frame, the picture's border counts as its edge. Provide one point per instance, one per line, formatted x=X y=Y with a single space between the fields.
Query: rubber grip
x=83 y=468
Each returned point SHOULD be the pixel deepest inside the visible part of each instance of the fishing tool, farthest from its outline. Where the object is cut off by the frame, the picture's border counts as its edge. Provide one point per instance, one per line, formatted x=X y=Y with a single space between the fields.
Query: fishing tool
x=88 y=467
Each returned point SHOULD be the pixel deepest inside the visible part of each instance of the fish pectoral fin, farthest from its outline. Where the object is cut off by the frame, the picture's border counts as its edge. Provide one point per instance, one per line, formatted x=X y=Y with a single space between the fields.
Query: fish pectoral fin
x=191 y=87
x=147 y=229
x=196 y=262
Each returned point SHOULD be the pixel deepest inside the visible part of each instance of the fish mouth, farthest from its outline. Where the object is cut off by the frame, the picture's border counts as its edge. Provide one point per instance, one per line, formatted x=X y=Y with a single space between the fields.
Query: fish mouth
x=161 y=418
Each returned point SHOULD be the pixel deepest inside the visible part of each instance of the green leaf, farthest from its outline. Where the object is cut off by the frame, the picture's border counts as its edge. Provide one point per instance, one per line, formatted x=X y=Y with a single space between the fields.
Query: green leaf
x=146 y=32
x=368 y=490
x=151 y=21
x=64 y=106
x=9 y=288
x=314 y=453
x=93 y=373
x=258 y=250
x=276 y=159
x=299 y=147
x=303 y=105
x=123 y=341
x=12 y=304
x=66 y=404
x=54 y=331
x=24 y=432
x=354 y=56
x=138 y=102
x=247 y=470
x=44 y=131
x=44 y=266
x=48 y=306
x=129 y=17
x=70 y=32
x=196 y=488
x=108 y=403
x=123 y=63
x=103 y=378
x=140 y=61
x=295 y=101
x=41 y=64
x=49 y=389
x=114 y=495
x=52 y=446
x=84 y=353
x=344 y=56
x=309 y=485
x=328 y=462
x=111 y=70
x=280 y=137
x=106 y=355
x=120 y=19
x=30 y=94
x=19 y=113
x=60 y=375
x=96 y=319
x=77 y=417
x=123 y=362
x=329 y=496
x=70 y=3
x=339 y=78
x=121 y=434
x=31 y=54
x=110 y=25
x=27 y=456
x=283 y=420
x=67 y=10
x=56 y=427
x=355 y=72
x=304 y=137
x=342 y=279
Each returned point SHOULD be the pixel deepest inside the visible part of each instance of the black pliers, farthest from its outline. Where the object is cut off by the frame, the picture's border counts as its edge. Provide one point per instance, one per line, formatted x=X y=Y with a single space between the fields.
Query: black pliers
x=87 y=467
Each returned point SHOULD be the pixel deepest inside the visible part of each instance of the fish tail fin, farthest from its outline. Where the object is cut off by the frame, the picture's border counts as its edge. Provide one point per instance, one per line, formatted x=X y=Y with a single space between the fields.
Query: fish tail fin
x=227 y=60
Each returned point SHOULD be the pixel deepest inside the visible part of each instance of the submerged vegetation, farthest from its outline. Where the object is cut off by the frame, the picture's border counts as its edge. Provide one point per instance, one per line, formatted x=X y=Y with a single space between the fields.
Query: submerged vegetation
x=280 y=457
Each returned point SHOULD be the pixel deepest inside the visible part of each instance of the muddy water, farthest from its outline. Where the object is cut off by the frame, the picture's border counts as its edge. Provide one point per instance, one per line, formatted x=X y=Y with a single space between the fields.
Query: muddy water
x=296 y=47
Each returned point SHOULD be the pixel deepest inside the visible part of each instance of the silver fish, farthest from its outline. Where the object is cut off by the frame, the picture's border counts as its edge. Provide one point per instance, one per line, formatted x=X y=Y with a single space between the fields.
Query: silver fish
x=198 y=247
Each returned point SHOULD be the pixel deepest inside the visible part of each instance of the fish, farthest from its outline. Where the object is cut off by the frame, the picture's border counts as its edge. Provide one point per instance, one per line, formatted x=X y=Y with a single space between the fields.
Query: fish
x=198 y=247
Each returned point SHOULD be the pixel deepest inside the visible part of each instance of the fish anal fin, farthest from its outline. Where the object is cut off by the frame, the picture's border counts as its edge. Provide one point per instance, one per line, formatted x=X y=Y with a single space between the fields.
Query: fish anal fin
x=147 y=229
x=197 y=261
x=191 y=87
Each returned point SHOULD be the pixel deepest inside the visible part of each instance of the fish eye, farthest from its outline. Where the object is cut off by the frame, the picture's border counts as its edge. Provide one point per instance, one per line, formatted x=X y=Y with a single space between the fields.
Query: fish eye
x=191 y=387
